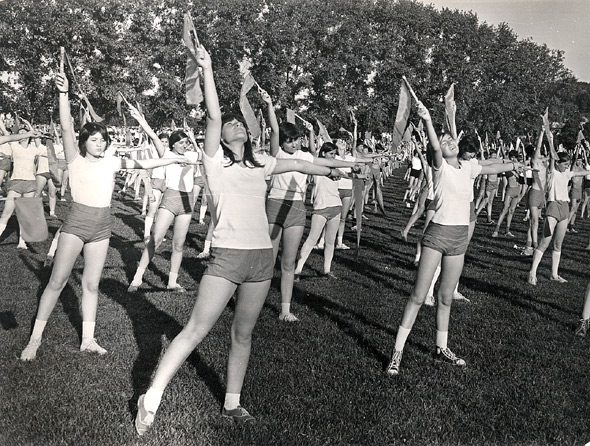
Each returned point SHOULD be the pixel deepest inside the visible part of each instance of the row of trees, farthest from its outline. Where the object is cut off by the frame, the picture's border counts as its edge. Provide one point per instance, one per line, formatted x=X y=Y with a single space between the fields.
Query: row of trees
x=318 y=57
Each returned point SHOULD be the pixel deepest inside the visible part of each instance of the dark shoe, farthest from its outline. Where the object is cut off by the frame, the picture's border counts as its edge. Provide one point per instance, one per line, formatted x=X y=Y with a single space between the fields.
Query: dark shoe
x=239 y=415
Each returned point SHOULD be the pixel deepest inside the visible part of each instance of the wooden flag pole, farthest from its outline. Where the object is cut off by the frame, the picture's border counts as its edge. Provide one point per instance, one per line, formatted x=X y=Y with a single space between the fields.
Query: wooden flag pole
x=411 y=89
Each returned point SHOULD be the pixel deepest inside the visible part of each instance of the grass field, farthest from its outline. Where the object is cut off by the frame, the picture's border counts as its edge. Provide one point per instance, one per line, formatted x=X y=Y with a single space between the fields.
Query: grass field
x=317 y=382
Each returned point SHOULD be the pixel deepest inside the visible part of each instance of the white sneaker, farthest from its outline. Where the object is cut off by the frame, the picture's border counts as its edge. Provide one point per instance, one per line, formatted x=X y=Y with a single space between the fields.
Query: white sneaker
x=396 y=360
x=458 y=296
x=319 y=246
x=342 y=246
x=429 y=301
x=30 y=351
x=90 y=345
x=289 y=317
x=203 y=255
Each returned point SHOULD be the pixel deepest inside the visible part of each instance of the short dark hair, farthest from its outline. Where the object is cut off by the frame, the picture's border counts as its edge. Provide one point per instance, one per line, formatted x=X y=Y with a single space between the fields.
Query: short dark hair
x=89 y=129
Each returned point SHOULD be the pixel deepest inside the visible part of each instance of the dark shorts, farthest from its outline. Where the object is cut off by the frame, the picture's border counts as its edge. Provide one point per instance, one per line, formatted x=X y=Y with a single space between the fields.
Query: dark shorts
x=328 y=213
x=44 y=174
x=22 y=186
x=345 y=193
x=536 y=199
x=158 y=184
x=431 y=205
x=472 y=214
x=88 y=223
x=529 y=181
x=448 y=240
x=285 y=213
x=199 y=181
x=576 y=193
x=521 y=180
x=491 y=188
x=178 y=203
x=5 y=164
x=62 y=165
x=513 y=192
x=586 y=183
x=241 y=265
x=559 y=210
x=415 y=173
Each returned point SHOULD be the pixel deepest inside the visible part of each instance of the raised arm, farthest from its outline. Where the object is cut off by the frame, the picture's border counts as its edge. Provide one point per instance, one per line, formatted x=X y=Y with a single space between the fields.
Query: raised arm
x=65 y=118
x=311 y=137
x=213 y=130
x=273 y=123
x=437 y=157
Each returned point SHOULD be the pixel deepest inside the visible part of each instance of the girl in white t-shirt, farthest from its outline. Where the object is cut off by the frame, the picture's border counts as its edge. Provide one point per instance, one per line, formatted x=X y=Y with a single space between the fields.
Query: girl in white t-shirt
x=241 y=253
x=327 y=207
x=22 y=180
x=445 y=240
x=557 y=215
x=285 y=207
x=176 y=207
x=87 y=226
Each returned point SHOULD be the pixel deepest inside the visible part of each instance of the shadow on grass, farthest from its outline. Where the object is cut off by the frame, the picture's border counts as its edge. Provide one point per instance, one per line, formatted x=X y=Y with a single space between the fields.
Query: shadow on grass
x=151 y=326
x=68 y=297
x=347 y=321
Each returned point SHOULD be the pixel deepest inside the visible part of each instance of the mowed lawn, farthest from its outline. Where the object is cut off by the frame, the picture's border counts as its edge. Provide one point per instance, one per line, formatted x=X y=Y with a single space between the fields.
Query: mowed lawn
x=317 y=382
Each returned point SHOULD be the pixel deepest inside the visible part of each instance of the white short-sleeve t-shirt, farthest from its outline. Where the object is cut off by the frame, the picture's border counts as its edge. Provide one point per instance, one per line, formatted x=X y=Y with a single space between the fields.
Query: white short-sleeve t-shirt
x=290 y=185
x=557 y=189
x=237 y=197
x=345 y=183
x=92 y=182
x=23 y=159
x=325 y=193
x=453 y=192
x=179 y=177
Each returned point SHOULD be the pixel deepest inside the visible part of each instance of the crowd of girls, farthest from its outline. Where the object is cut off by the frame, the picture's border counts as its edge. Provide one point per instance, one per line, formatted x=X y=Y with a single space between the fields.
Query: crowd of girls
x=257 y=206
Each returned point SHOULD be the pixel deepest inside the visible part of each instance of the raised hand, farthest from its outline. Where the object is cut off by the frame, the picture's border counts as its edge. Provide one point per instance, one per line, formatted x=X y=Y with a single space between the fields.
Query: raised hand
x=265 y=96
x=61 y=82
x=423 y=111
x=203 y=58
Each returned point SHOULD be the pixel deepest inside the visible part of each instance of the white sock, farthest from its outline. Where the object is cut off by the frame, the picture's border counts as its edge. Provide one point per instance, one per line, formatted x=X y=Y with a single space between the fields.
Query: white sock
x=38 y=329
x=401 y=338
x=232 y=400
x=88 y=329
x=138 y=276
x=152 y=399
x=2 y=228
x=21 y=241
x=207 y=247
x=147 y=226
x=53 y=246
x=202 y=212
x=441 y=339
x=285 y=308
x=172 y=280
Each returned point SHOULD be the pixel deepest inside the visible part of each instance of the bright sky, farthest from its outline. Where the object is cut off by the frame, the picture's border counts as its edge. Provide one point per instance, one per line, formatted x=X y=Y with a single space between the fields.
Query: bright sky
x=561 y=24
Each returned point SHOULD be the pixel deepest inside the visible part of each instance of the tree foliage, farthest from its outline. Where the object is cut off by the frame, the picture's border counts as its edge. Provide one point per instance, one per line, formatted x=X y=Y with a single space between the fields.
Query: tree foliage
x=321 y=58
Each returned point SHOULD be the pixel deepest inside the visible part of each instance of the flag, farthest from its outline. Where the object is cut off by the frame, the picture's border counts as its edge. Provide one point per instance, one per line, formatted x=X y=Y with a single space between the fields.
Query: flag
x=90 y=110
x=246 y=108
x=323 y=132
x=172 y=125
x=547 y=126
x=450 y=112
x=403 y=112
x=51 y=157
x=31 y=219
x=408 y=133
x=358 y=187
x=581 y=137
x=119 y=101
x=139 y=109
x=194 y=94
x=82 y=115
x=498 y=134
x=290 y=116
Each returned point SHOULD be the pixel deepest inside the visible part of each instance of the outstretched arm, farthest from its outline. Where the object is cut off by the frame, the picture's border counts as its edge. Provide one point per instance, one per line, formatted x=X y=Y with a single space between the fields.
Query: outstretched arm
x=437 y=157
x=65 y=118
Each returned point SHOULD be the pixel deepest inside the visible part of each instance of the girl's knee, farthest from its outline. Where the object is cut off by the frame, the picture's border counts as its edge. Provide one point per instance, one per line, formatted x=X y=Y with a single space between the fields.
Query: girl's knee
x=241 y=337
x=178 y=245
x=57 y=283
x=90 y=286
